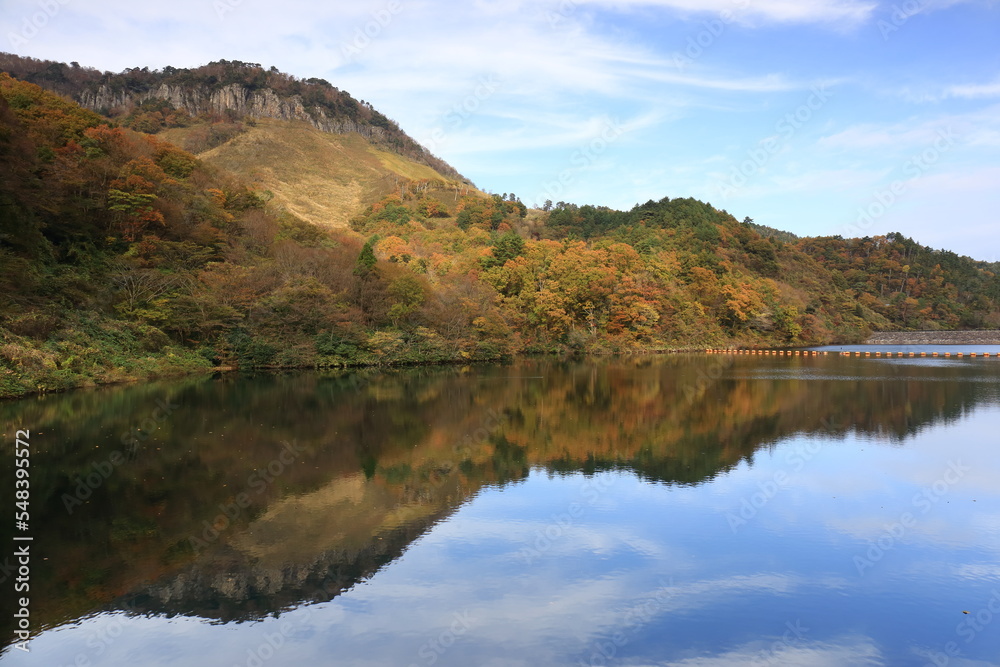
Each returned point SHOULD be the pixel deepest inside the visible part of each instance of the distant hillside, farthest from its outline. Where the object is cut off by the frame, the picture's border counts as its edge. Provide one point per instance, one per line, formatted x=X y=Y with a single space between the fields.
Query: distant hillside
x=835 y=285
x=151 y=100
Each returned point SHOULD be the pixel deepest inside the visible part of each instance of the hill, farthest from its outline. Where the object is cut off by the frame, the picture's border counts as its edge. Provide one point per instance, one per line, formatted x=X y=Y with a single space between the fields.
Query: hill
x=323 y=154
x=885 y=282
x=149 y=100
x=124 y=256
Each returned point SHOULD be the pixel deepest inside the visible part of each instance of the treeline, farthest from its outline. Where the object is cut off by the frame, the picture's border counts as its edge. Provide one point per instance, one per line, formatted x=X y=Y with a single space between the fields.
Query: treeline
x=73 y=81
x=893 y=281
x=912 y=286
x=124 y=256
x=672 y=274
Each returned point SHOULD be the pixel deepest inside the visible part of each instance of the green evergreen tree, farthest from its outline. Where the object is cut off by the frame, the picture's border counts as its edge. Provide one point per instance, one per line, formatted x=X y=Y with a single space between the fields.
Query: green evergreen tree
x=365 y=266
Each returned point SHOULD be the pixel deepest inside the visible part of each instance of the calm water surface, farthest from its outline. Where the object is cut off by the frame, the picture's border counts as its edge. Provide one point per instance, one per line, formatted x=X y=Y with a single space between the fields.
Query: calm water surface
x=680 y=510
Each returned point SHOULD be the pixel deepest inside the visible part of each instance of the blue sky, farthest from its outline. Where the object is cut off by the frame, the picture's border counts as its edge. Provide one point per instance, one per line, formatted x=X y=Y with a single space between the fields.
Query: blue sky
x=851 y=117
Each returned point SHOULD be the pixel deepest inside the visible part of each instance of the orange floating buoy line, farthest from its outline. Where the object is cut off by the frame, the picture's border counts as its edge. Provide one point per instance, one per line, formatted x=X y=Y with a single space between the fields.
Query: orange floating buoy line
x=900 y=355
x=848 y=353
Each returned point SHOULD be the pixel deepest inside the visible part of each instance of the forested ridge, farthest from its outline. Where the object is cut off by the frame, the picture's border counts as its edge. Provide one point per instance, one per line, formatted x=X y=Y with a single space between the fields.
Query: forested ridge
x=123 y=256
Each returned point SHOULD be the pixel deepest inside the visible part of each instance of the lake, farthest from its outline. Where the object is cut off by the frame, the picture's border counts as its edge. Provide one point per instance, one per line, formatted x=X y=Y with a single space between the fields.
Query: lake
x=691 y=510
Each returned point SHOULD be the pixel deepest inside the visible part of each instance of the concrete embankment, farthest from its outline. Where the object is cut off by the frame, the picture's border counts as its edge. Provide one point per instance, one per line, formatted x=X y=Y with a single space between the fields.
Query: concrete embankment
x=990 y=337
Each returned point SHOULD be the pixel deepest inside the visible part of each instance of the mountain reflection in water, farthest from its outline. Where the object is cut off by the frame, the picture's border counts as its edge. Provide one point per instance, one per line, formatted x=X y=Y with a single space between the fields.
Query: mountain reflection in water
x=257 y=495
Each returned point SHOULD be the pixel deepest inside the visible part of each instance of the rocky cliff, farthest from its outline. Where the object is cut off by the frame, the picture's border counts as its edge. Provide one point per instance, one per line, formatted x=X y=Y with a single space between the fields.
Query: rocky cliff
x=230 y=89
x=234 y=99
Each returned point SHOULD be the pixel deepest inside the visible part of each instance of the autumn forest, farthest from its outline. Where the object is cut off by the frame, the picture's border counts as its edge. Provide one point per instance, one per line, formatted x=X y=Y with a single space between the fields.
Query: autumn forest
x=123 y=255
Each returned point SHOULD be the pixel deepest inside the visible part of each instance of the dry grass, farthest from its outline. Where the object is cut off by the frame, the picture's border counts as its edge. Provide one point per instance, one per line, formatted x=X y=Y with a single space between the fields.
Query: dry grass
x=320 y=177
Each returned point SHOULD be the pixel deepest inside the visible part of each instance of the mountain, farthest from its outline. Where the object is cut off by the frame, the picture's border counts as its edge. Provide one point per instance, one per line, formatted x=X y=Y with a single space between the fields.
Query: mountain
x=322 y=154
x=125 y=256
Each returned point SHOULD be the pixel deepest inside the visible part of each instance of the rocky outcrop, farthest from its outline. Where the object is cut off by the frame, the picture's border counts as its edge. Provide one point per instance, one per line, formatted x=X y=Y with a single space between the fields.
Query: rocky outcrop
x=235 y=99
x=249 y=92
x=990 y=337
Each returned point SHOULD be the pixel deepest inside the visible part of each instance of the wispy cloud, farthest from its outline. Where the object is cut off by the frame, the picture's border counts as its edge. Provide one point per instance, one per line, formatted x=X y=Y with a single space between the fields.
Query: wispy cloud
x=570 y=131
x=781 y=11
x=978 y=128
x=768 y=83
x=975 y=90
x=879 y=137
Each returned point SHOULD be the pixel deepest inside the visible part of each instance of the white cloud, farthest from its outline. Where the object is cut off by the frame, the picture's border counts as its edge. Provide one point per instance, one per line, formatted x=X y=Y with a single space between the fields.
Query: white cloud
x=897 y=136
x=935 y=92
x=975 y=131
x=573 y=132
x=975 y=90
x=768 y=83
x=781 y=11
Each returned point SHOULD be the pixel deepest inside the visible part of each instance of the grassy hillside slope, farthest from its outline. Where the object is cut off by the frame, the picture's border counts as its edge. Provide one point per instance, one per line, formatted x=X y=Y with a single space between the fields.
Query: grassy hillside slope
x=320 y=177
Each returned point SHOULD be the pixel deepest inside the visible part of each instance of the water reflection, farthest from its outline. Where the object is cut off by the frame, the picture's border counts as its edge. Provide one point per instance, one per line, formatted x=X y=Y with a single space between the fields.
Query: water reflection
x=244 y=498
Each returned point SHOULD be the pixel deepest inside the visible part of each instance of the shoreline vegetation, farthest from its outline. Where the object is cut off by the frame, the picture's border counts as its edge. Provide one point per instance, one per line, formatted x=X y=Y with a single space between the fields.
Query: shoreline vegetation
x=177 y=366
x=124 y=257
